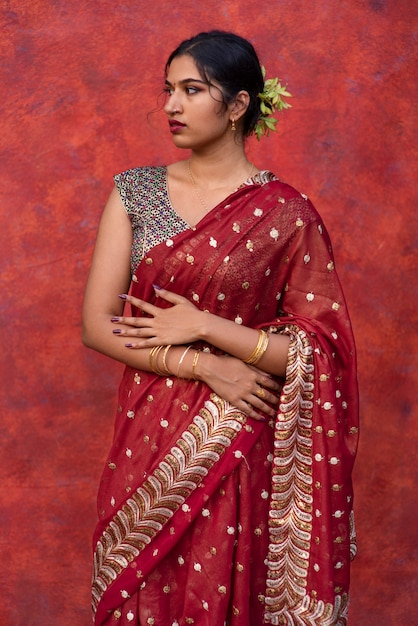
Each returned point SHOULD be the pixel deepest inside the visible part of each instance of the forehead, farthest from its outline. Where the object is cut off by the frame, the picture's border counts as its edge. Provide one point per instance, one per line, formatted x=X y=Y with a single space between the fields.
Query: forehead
x=182 y=68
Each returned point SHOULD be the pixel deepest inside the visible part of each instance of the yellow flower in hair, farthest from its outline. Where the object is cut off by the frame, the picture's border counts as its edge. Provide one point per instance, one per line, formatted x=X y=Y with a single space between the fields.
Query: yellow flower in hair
x=271 y=100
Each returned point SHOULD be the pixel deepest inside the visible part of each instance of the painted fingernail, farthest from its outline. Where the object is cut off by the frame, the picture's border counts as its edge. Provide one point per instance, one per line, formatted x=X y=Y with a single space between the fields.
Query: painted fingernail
x=128 y=345
x=156 y=286
x=123 y=296
x=114 y=319
x=116 y=331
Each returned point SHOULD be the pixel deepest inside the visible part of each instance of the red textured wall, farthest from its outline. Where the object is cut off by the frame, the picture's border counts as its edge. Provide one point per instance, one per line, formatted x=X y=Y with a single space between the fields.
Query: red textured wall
x=79 y=80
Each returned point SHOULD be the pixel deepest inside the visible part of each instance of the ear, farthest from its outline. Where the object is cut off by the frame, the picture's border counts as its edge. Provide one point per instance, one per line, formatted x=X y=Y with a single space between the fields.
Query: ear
x=240 y=104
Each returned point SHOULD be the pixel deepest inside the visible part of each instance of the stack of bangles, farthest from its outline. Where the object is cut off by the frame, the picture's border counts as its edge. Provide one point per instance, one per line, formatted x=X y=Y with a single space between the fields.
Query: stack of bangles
x=260 y=349
x=255 y=356
x=164 y=370
x=153 y=360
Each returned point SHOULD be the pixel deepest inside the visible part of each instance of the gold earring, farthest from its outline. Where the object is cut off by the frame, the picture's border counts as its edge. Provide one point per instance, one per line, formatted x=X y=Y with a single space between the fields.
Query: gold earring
x=233 y=127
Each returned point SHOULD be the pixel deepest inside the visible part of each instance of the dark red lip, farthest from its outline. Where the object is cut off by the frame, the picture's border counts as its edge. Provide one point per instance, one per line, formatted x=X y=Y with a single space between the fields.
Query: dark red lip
x=175 y=125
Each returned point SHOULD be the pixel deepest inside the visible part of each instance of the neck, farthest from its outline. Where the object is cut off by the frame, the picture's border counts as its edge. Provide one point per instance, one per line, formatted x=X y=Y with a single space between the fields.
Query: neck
x=220 y=167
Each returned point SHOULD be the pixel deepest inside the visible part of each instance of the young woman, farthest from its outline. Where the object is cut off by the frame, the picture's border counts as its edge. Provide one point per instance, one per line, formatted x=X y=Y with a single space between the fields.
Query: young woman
x=227 y=497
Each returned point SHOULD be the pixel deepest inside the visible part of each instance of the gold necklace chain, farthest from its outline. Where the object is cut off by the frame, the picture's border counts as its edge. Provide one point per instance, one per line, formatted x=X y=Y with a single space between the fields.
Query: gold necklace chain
x=197 y=190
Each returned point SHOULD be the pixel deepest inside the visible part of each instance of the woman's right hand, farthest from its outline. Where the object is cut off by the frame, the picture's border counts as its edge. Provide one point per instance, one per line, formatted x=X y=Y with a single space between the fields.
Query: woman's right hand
x=251 y=390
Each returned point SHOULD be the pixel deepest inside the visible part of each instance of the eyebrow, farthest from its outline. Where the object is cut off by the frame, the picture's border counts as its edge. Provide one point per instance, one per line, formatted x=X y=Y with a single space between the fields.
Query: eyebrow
x=188 y=80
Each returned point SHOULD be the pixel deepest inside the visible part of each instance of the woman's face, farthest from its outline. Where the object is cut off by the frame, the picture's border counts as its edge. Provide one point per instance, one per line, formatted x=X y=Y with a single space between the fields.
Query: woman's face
x=196 y=115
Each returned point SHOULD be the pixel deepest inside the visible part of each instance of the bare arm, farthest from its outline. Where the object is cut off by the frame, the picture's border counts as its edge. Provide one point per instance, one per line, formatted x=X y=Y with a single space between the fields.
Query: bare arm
x=184 y=323
x=110 y=276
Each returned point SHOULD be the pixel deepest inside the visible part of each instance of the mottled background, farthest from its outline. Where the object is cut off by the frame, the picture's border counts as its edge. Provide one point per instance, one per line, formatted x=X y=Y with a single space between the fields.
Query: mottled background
x=78 y=82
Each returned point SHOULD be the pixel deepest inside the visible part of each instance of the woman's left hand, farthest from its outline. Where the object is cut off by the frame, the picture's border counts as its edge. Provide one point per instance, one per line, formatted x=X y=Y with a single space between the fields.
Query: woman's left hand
x=175 y=325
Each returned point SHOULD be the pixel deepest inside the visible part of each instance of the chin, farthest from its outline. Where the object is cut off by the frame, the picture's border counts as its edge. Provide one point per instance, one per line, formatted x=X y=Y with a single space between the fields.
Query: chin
x=182 y=142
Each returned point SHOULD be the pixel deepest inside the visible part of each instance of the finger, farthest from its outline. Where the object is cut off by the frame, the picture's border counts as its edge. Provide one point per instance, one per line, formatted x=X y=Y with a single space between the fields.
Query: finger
x=151 y=342
x=264 y=406
x=266 y=396
x=268 y=382
x=250 y=411
x=142 y=333
x=135 y=322
x=170 y=296
x=145 y=306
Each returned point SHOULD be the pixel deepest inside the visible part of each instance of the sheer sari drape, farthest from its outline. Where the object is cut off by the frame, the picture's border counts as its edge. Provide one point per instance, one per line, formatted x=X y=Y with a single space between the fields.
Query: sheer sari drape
x=207 y=517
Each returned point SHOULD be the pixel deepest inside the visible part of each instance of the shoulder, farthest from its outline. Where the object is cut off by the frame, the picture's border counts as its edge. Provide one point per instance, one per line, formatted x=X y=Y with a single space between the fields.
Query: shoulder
x=139 y=175
x=284 y=196
x=136 y=185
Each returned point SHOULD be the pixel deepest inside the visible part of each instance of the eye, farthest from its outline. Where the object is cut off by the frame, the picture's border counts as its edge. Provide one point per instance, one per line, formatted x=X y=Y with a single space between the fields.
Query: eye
x=168 y=91
x=191 y=90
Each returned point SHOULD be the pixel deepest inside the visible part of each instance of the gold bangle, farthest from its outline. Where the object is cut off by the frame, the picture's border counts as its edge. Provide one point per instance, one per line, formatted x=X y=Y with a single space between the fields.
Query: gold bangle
x=182 y=359
x=155 y=351
x=260 y=349
x=151 y=356
x=194 y=364
x=166 y=370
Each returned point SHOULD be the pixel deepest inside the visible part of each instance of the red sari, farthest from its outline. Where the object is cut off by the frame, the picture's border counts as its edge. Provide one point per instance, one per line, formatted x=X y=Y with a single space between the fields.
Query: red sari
x=208 y=517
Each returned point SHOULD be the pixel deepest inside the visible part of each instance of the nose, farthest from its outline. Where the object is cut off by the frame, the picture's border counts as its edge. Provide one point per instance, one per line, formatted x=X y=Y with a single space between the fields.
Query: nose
x=173 y=104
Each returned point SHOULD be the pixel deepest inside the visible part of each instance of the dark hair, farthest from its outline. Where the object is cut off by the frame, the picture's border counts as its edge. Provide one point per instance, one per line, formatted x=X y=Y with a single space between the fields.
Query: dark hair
x=232 y=62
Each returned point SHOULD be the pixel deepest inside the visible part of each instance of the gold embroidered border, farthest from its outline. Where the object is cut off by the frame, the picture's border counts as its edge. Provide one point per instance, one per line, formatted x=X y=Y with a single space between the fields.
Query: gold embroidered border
x=161 y=495
x=287 y=601
x=312 y=612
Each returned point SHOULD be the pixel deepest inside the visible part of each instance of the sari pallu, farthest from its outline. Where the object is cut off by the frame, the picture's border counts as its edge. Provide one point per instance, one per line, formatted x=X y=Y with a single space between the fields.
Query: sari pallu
x=263 y=259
